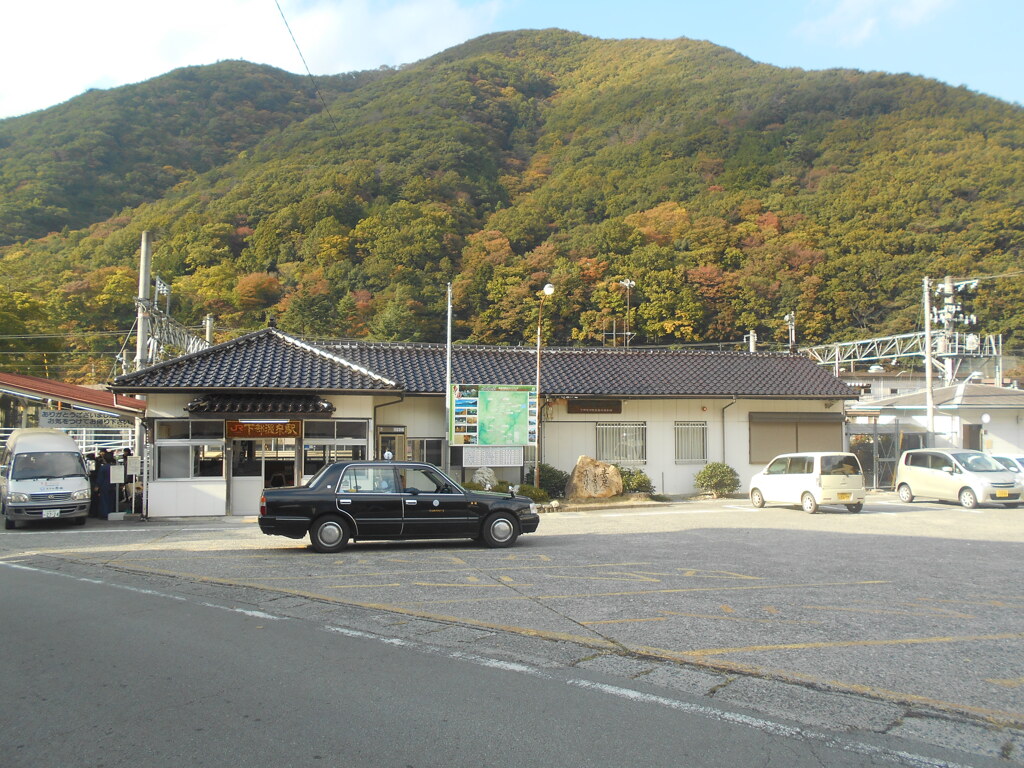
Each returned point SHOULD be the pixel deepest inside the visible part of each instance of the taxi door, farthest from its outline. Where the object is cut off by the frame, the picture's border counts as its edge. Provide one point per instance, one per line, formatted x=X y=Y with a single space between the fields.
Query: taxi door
x=370 y=495
x=434 y=506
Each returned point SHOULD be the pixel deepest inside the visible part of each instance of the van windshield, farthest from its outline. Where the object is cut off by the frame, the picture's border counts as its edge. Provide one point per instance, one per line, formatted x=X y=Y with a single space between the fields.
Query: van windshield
x=39 y=466
x=978 y=462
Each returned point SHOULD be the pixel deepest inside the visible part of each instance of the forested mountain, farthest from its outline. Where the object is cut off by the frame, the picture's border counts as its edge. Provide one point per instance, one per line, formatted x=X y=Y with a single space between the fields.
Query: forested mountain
x=730 y=192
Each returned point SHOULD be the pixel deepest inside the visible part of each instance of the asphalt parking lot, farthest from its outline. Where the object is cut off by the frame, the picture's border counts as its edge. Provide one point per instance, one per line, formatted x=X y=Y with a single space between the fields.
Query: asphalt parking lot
x=901 y=608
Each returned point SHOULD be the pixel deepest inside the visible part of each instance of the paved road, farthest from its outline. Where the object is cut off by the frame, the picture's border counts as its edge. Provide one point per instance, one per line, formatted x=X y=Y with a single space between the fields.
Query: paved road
x=120 y=676
x=903 y=620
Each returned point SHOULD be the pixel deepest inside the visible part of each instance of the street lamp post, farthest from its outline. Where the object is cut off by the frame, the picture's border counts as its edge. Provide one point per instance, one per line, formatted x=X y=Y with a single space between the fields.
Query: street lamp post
x=628 y=285
x=547 y=290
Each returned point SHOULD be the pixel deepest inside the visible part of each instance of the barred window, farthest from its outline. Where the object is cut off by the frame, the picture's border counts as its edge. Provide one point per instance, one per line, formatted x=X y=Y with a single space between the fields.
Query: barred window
x=622 y=442
x=691 y=442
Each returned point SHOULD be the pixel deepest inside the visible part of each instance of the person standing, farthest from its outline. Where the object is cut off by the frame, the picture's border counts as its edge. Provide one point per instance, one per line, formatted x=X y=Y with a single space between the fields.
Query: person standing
x=107 y=490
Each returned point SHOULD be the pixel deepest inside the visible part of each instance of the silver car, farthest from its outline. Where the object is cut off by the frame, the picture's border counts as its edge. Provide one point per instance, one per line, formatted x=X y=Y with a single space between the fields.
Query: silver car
x=970 y=477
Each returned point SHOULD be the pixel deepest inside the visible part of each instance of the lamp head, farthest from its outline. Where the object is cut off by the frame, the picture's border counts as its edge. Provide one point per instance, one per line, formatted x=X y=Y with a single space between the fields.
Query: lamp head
x=548 y=289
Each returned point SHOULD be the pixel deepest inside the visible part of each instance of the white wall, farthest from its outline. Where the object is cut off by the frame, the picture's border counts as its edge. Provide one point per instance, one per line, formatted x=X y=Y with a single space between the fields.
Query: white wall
x=565 y=437
x=187 y=498
x=1003 y=434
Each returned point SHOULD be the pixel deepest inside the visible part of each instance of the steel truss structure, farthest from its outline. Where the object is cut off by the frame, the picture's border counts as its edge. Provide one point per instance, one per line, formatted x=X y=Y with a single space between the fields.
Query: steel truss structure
x=948 y=351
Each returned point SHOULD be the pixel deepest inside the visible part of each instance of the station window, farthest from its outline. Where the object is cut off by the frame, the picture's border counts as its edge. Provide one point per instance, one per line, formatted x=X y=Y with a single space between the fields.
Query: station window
x=691 y=438
x=622 y=442
x=329 y=440
x=189 y=448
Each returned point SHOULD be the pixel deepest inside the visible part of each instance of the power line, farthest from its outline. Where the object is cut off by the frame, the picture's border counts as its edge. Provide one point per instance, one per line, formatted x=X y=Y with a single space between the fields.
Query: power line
x=75 y=335
x=316 y=88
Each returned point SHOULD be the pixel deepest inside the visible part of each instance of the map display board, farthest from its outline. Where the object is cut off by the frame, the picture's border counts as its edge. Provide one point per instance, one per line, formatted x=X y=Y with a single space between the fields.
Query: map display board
x=493 y=414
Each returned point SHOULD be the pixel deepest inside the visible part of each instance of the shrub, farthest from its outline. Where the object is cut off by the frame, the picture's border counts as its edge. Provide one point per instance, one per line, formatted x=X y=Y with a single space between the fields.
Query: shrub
x=718 y=479
x=533 y=493
x=635 y=480
x=552 y=481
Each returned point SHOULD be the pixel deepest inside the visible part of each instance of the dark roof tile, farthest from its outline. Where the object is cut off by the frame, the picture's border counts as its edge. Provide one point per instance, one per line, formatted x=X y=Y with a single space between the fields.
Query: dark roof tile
x=270 y=359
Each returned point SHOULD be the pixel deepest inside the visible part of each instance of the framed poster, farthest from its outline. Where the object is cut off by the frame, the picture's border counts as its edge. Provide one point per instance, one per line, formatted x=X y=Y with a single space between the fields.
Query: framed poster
x=493 y=414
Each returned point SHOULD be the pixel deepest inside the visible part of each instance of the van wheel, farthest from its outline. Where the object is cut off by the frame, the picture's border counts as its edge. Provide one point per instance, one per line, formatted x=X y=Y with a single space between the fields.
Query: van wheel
x=757 y=498
x=968 y=499
x=905 y=494
x=329 y=533
x=855 y=508
x=808 y=503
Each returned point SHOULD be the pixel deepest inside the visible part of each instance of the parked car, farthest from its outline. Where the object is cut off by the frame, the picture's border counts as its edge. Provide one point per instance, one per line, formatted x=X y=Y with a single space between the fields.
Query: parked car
x=1012 y=461
x=363 y=500
x=42 y=476
x=970 y=477
x=810 y=480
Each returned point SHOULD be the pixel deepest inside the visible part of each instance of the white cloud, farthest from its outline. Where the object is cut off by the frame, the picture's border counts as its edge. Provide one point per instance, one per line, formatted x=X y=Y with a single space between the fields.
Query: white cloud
x=852 y=23
x=910 y=13
x=54 y=51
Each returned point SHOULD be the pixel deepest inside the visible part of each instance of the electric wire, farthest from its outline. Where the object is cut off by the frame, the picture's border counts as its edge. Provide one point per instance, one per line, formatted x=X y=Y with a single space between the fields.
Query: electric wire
x=316 y=87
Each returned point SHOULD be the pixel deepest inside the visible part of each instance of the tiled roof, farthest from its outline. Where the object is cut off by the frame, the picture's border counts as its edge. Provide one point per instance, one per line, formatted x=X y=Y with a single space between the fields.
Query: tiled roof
x=72 y=394
x=267 y=359
x=261 y=404
x=581 y=372
x=270 y=359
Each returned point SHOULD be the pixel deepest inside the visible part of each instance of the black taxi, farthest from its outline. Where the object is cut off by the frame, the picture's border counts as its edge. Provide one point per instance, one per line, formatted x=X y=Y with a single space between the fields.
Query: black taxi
x=364 y=500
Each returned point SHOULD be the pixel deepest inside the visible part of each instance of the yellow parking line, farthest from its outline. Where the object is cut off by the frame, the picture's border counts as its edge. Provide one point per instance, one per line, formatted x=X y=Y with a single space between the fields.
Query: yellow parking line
x=892 y=611
x=436 y=584
x=1016 y=682
x=739 y=618
x=620 y=621
x=670 y=590
x=855 y=644
x=361 y=586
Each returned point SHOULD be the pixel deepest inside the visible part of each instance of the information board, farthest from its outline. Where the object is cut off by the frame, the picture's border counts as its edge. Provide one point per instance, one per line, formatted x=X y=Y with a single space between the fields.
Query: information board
x=493 y=414
x=71 y=419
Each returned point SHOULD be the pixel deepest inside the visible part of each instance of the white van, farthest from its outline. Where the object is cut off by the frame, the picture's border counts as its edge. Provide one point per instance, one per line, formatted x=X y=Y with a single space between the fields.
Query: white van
x=970 y=477
x=43 y=475
x=810 y=480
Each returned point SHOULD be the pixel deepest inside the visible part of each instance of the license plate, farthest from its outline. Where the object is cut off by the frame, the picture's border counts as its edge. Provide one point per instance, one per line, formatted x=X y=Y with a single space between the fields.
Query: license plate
x=1002 y=494
x=844 y=497
x=51 y=513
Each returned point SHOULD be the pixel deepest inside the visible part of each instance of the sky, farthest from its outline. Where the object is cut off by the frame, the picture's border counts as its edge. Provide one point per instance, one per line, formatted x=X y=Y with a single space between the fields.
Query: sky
x=53 y=51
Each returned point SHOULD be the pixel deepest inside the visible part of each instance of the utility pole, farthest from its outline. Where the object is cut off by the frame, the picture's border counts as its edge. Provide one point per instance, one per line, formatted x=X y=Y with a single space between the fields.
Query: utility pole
x=790 y=319
x=929 y=395
x=142 y=325
x=628 y=285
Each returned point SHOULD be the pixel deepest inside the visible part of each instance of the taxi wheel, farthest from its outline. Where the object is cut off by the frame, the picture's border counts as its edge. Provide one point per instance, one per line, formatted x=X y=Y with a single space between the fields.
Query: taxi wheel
x=968 y=500
x=329 y=533
x=757 y=498
x=808 y=503
x=500 y=530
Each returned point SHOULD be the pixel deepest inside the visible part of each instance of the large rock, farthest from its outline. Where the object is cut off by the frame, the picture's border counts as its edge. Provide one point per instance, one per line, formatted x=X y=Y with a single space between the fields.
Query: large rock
x=593 y=479
x=486 y=477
